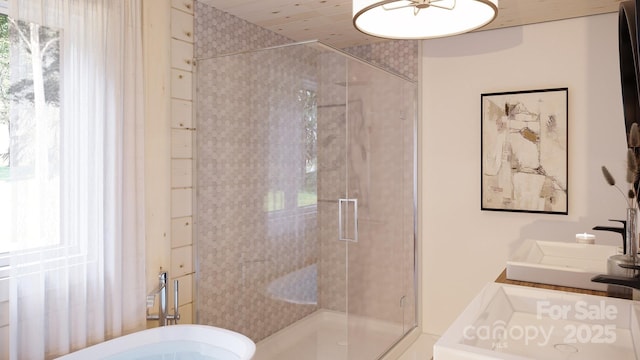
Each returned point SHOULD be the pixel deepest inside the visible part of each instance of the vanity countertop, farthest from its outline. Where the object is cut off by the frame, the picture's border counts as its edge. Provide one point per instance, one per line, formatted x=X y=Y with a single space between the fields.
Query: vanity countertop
x=502 y=278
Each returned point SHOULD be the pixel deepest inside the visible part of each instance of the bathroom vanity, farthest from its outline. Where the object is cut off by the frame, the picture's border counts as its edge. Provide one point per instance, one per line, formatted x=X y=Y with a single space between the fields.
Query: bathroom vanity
x=516 y=320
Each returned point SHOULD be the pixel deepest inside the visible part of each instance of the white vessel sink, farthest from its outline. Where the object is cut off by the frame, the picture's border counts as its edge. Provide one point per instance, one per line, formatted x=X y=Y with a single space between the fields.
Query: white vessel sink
x=516 y=323
x=559 y=263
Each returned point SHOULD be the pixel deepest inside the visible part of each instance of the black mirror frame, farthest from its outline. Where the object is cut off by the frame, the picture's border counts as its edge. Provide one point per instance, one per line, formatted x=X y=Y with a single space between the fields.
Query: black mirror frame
x=629 y=71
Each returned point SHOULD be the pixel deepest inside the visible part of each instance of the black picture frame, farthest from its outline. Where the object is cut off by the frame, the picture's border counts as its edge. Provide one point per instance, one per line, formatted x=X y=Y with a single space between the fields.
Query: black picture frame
x=524 y=151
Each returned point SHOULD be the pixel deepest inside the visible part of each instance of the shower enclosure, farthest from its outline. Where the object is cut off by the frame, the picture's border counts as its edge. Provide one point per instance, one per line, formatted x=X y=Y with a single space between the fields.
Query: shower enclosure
x=306 y=202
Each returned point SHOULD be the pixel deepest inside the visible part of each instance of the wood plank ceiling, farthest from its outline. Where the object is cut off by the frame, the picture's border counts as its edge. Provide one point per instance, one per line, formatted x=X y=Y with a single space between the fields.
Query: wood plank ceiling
x=330 y=20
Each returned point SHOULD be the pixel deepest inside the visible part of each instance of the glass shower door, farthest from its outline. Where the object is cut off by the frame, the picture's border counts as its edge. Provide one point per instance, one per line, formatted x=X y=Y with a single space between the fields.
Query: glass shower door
x=366 y=122
x=378 y=212
x=332 y=342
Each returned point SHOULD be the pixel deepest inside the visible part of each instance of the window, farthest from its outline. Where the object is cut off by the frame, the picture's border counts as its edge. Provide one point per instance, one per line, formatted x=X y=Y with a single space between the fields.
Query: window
x=29 y=135
x=308 y=195
x=301 y=192
x=4 y=101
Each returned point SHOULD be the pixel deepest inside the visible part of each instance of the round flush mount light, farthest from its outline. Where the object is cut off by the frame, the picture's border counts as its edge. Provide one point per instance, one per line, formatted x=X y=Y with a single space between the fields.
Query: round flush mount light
x=421 y=19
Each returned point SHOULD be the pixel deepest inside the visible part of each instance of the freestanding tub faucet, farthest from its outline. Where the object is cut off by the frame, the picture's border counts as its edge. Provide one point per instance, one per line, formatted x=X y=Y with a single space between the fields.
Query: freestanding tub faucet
x=163 y=317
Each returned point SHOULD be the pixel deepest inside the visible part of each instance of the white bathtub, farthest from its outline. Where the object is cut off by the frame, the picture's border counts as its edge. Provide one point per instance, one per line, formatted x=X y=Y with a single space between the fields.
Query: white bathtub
x=177 y=341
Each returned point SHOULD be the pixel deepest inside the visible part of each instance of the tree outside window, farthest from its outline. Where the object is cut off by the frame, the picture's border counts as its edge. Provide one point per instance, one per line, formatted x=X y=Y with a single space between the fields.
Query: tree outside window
x=29 y=134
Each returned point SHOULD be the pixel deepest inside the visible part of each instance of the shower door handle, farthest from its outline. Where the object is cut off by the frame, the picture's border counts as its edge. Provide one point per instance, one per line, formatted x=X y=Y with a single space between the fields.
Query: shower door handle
x=341 y=221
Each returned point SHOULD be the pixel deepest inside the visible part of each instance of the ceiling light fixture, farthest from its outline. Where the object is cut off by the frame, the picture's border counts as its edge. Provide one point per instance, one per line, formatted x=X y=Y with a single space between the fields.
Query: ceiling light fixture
x=421 y=19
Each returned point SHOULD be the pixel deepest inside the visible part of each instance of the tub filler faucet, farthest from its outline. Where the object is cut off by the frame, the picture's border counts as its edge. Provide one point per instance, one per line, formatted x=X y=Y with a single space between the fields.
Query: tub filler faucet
x=163 y=316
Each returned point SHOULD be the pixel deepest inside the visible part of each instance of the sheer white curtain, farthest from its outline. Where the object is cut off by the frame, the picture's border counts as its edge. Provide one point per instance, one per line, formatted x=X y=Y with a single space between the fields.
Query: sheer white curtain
x=80 y=280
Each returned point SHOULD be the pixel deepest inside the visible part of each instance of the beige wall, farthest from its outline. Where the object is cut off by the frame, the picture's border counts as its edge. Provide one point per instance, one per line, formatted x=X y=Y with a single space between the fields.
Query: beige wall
x=464 y=247
x=168 y=56
x=156 y=39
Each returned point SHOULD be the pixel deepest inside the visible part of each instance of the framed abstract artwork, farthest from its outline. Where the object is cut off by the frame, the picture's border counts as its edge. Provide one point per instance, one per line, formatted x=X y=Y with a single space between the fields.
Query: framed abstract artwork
x=524 y=151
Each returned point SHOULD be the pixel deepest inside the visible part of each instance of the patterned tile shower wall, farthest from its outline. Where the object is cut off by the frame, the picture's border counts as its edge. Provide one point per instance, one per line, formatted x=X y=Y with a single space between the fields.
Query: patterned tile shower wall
x=399 y=57
x=218 y=32
x=249 y=162
x=254 y=231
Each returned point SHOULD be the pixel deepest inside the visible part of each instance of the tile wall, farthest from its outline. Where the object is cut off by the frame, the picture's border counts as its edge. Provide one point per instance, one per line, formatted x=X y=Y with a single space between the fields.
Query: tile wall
x=249 y=250
x=398 y=57
x=251 y=228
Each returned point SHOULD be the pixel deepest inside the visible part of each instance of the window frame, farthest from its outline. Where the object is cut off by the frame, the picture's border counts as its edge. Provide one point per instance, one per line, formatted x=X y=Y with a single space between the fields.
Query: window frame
x=4 y=256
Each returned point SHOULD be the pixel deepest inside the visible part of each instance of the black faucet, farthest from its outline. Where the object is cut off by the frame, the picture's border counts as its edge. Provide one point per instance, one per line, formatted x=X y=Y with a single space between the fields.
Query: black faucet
x=621 y=230
x=630 y=282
